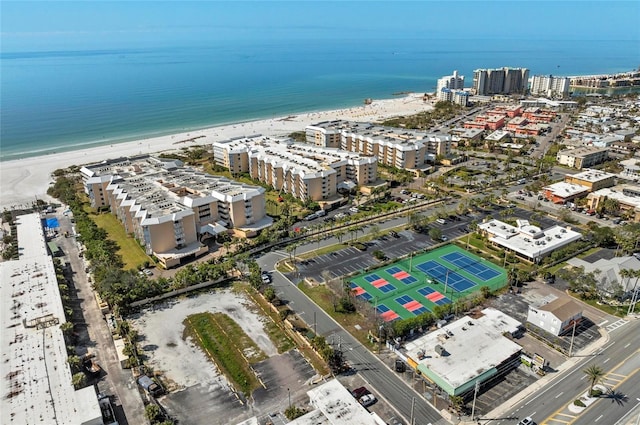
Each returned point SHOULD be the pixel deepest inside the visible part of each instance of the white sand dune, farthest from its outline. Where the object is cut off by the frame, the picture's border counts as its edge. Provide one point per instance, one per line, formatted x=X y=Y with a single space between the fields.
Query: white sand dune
x=24 y=180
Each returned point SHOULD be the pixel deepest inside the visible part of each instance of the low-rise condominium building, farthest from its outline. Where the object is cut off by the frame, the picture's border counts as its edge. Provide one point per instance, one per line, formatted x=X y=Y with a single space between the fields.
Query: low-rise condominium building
x=307 y=172
x=394 y=147
x=170 y=208
x=582 y=157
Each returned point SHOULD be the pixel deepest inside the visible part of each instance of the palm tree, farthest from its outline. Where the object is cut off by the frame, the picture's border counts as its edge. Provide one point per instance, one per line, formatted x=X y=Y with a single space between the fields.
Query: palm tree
x=595 y=375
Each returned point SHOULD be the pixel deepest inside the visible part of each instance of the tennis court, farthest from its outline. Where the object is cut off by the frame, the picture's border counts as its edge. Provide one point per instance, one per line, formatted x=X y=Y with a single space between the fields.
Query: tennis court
x=417 y=285
x=470 y=265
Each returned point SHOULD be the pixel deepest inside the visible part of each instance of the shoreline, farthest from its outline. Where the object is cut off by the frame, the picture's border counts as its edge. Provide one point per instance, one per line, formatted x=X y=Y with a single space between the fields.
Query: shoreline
x=23 y=180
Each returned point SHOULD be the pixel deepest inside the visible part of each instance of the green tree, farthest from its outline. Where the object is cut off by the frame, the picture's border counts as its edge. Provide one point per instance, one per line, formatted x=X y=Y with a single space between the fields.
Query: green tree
x=152 y=412
x=595 y=375
x=435 y=233
x=79 y=380
x=456 y=403
x=75 y=362
x=270 y=293
x=374 y=231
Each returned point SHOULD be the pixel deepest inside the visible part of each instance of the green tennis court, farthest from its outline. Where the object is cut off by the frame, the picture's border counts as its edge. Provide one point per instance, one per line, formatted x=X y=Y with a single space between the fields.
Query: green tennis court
x=417 y=284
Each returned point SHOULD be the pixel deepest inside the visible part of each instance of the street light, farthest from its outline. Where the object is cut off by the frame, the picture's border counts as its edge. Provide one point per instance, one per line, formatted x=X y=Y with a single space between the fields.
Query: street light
x=289 y=393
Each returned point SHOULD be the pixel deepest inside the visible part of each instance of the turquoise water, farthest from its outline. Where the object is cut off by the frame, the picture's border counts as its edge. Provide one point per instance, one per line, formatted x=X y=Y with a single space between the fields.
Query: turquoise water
x=62 y=100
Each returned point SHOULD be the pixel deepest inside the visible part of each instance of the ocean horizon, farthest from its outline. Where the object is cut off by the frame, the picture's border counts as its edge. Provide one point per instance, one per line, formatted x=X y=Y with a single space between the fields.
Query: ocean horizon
x=63 y=100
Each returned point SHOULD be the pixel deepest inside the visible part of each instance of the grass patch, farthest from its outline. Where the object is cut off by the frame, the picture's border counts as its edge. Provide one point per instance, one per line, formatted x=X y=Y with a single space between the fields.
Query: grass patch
x=130 y=250
x=228 y=346
x=321 y=251
x=324 y=298
x=620 y=310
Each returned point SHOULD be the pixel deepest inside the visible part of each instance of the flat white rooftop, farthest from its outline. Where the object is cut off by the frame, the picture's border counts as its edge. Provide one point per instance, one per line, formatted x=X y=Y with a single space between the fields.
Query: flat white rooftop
x=473 y=349
x=618 y=196
x=336 y=406
x=528 y=240
x=36 y=379
x=566 y=190
x=592 y=175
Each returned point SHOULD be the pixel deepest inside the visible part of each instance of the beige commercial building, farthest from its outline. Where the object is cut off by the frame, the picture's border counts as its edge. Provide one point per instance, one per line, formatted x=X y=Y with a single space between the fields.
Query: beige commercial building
x=582 y=157
x=394 y=147
x=307 y=172
x=170 y=208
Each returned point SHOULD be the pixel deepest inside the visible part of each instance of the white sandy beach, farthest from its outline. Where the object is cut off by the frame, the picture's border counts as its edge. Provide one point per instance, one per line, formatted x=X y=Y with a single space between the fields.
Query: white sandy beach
x=24 y=180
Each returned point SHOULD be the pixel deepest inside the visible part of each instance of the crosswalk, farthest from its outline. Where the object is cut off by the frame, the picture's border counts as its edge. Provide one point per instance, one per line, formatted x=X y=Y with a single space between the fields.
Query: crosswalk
x=615 y=325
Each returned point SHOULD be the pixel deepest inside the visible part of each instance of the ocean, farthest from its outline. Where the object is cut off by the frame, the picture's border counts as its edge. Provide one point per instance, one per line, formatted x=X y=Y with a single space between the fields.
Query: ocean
x=55 y=101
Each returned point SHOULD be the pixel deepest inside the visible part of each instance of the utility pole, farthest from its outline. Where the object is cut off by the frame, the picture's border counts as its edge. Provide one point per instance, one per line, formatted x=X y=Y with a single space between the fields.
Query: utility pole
x=315 y=329
x=475 y=395
x=573 y=334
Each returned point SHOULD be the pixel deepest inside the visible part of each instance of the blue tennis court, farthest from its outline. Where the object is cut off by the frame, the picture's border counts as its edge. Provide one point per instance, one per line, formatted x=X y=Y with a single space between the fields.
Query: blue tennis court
x=393 y=270
x=444 y=275
x=404 y=299
x=387 y=288
x=372 y=278
x=434 y=296
x=409 y=280
x=470 y=265
x=382 y=308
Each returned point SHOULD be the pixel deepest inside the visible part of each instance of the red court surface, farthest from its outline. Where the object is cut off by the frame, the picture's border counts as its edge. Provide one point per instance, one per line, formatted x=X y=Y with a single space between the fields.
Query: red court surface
x=401 y=275
x=413 y=305
x=378 y=283
x=358 y=291
x=435 y=296
x=390 y=315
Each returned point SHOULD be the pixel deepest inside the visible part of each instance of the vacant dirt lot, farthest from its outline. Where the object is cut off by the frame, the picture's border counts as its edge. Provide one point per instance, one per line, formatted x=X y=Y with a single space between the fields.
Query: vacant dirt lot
x=161 y=333
x=200 y=394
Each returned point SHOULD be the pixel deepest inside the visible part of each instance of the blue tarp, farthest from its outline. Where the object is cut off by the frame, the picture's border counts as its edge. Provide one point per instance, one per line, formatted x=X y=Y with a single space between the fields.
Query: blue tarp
x=52 y=223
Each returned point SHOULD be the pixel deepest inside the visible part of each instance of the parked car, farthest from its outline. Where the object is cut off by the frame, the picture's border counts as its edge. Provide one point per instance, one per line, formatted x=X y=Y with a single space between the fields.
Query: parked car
x=367 y=400
x=360 y=392
x=354 y=210
x=150 y=386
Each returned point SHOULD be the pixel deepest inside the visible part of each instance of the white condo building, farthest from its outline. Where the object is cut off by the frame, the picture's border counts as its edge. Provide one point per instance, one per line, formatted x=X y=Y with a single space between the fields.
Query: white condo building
x=550 y=86
x=452 y=82
x=307 y=172
x=394 y=147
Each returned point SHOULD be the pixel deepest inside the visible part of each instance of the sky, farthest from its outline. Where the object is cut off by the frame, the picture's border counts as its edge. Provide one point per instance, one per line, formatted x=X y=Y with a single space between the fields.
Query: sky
x=58 y=25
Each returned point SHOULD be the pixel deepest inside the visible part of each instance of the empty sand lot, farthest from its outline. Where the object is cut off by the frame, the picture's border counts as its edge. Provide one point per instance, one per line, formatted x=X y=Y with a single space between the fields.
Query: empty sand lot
x=181 y=361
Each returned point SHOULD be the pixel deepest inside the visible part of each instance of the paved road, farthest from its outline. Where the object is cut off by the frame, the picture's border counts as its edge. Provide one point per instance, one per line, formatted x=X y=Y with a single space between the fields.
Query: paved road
x=370 y=368
x=116 y=382
x=551 y=399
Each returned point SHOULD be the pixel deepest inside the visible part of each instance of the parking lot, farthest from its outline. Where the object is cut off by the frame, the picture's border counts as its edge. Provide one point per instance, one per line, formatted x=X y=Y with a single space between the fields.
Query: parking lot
x=351 y=260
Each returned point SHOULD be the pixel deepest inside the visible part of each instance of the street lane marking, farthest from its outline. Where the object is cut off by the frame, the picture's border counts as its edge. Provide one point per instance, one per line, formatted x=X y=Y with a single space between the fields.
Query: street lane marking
x=562 y=392
x=627 y=346
x=583 y=377
x=603 y=323
x=599 y=417
x=608 y=358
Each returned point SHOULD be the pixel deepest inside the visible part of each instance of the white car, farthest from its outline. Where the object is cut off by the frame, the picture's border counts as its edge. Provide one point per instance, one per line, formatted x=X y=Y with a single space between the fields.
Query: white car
x=353 y=210
x=367 y=400
x=526 y=421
